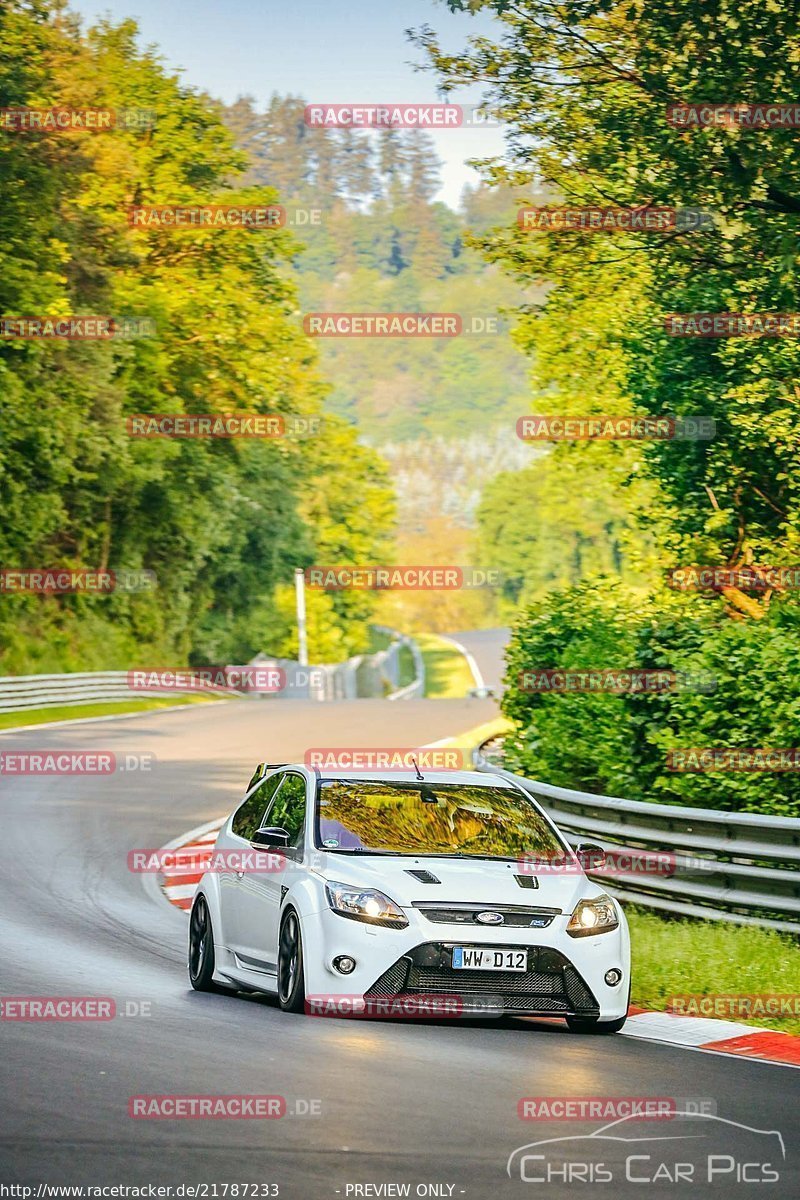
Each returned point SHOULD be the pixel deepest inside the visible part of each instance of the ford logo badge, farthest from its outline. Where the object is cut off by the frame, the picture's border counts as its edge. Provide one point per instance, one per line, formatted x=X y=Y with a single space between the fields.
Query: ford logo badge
x=490 y=918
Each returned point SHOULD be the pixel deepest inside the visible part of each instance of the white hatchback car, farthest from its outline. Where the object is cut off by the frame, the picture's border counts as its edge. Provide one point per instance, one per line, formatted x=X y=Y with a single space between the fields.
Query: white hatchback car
x=408 y=885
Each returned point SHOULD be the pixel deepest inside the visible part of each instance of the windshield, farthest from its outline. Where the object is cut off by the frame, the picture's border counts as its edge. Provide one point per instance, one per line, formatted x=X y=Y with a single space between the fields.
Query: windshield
x=387 y=817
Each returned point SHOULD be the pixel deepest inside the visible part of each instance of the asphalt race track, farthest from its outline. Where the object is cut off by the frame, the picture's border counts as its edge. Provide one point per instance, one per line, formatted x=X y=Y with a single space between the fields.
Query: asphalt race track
x=399 y=1102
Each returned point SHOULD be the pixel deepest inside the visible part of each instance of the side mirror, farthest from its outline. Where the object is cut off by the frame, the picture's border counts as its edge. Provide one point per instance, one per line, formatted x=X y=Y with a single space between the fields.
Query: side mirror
x=590 y=856
x=271 y=836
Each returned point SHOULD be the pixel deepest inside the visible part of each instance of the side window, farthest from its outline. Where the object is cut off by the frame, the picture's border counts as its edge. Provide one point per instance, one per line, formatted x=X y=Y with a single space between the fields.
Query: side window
x=289 y=808
x=248 y=816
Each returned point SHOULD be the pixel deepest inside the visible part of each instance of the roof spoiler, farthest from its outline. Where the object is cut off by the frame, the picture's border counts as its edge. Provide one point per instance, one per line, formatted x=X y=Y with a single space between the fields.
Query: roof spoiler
x=261 y=770
x=264 y=767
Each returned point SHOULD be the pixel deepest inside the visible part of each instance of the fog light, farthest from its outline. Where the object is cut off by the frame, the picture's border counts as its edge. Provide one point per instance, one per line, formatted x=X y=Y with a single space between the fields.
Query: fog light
x=344 y=964
x=613 y=977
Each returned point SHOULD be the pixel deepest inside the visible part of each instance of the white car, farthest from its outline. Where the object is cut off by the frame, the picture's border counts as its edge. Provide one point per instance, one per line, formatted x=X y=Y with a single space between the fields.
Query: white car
x=407 y=885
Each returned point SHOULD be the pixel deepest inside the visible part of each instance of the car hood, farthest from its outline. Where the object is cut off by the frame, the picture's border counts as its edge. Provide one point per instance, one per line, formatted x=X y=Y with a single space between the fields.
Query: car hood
x=460 y=880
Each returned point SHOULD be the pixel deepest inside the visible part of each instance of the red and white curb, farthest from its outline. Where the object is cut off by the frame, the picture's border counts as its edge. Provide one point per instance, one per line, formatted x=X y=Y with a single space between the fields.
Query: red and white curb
x=692 y=1033
x=710 y=1033
x=180 y=887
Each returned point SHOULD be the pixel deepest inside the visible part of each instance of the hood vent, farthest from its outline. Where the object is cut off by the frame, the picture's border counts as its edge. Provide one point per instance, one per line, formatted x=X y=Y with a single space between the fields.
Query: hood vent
x=424 y=876
x=527 y=881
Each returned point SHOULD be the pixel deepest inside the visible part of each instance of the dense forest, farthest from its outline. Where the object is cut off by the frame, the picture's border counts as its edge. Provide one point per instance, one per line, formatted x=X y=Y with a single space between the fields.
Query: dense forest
x=587 y=91
x=221 y=523
x=418 y=459
x=442 y=412
x=382 y=241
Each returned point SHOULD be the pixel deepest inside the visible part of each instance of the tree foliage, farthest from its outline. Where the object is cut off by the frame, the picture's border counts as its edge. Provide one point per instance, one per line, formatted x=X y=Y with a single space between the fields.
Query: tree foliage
x=585 y=87
x=222 y=523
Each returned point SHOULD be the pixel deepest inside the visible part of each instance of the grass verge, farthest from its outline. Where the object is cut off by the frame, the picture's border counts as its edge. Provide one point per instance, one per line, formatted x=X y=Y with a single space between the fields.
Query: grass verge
x=69 y=712
x=447 y=673
x=711 y=958
x=405 y=660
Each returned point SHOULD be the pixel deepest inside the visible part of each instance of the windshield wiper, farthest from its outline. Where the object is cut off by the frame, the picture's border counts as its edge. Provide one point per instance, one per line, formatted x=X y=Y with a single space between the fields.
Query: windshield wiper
x=461 y=853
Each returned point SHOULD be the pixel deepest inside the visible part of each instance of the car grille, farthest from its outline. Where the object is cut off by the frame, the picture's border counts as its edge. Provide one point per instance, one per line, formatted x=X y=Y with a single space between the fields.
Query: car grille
x=514 y=915
x=551 y=986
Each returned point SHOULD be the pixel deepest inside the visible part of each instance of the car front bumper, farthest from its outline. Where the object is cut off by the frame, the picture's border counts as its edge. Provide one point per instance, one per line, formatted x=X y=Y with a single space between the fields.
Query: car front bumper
x=565 y=976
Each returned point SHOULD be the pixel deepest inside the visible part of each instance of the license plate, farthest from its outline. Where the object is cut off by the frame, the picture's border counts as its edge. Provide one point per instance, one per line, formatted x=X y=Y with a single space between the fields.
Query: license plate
x=488 y=958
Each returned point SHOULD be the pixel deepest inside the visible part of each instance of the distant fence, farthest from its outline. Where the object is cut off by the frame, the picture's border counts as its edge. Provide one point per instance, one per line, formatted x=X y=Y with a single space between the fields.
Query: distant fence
x=365 y=675
x=389 y=664
x=740 y=867
x=19 y=692
x=362 y=677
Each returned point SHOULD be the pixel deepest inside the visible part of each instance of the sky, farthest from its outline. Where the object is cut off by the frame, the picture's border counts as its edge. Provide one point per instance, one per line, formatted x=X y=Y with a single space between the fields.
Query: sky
x=323 y=50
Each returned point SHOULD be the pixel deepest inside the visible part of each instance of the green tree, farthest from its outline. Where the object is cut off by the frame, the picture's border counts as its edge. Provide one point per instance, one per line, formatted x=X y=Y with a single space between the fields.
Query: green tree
x=585 y=89
x=221 y=523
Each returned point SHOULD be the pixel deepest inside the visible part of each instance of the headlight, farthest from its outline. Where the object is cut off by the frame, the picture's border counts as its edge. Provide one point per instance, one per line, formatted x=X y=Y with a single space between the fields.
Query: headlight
x=593 y=916
x=365 y=904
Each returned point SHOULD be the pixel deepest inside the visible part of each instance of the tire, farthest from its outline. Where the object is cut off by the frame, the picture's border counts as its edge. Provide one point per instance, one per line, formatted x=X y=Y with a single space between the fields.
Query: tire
x=592 y=1025
x=291 y=976
x=201 y=948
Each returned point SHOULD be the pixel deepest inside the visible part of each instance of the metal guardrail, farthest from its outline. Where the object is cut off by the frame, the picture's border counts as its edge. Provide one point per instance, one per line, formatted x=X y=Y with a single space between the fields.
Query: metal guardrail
x=417 y=687
x=21 y=692
x=336 y=681
x=387 y=665
x=740 y=867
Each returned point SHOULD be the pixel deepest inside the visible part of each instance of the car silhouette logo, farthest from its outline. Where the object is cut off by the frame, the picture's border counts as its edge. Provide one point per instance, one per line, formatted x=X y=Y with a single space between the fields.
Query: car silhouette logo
x=490 y=918
x=603 y=1134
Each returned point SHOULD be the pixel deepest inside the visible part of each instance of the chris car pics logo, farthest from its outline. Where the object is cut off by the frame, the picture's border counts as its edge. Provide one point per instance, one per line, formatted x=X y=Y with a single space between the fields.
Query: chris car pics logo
x=696 y=1147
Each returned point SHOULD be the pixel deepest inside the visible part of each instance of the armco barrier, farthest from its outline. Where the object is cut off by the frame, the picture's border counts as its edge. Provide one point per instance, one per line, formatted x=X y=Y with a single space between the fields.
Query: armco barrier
x=364 y=676
x=739 y=867
x=380 y=673
x=21 y=692
x=417 y=686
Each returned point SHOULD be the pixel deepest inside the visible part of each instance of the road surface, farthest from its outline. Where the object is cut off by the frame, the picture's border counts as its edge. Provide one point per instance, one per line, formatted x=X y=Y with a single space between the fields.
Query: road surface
x=409 y=1103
